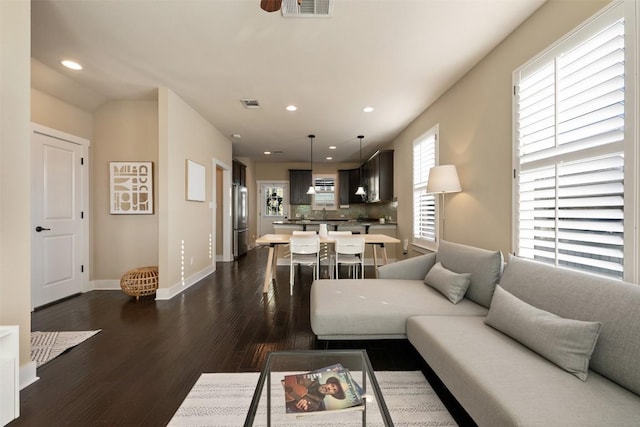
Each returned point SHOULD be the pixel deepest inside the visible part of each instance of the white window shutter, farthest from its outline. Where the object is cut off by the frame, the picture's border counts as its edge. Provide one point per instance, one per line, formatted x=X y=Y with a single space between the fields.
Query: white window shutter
x=570 y=120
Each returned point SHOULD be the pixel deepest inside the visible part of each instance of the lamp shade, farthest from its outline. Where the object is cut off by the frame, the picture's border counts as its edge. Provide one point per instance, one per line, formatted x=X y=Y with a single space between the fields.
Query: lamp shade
x=443 y=179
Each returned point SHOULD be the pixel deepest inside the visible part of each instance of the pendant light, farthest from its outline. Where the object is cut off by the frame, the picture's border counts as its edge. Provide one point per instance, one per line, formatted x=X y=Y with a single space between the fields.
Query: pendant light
x=312 y=188
x=360 y=191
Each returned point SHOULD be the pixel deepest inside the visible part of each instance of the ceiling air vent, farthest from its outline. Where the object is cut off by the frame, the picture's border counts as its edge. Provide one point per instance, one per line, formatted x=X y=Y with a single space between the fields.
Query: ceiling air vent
x=307 y=8
x=250 y=103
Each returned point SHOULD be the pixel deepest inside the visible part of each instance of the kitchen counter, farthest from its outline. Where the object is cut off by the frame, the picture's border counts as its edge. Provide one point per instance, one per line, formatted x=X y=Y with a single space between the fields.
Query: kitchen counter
x=333 y=221
x=333 y=224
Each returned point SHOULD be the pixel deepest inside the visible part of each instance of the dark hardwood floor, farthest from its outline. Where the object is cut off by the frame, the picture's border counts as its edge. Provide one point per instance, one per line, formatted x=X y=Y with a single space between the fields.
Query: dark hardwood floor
x=138 y=370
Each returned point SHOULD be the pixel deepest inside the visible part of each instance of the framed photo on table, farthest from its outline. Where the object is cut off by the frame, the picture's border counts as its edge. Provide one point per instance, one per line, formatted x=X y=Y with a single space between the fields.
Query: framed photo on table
x=131 y=185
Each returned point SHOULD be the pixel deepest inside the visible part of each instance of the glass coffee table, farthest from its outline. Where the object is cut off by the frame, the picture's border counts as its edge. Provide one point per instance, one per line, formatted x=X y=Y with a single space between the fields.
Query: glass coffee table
x=268 y=406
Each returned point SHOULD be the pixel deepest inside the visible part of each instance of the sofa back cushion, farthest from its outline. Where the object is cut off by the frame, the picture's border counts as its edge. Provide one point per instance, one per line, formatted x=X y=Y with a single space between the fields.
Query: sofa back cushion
x=485 y=267
x=582 y=296
x=451 y=285
x=568 y=343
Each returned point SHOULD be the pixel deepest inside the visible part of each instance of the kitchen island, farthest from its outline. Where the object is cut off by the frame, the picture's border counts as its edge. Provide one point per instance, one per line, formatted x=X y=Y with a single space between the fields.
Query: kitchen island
x=355 y=226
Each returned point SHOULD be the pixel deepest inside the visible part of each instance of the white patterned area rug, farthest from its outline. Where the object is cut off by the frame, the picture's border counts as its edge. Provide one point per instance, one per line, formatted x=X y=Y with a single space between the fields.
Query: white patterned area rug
x=46 y=346
x=223 y=400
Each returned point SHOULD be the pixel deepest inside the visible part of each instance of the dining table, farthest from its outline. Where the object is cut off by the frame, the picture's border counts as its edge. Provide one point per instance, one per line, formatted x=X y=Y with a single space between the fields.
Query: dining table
x=274 y=241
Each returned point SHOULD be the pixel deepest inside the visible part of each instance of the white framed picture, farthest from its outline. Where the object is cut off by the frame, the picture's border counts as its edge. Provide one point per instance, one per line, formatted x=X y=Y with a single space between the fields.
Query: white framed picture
x=196 y=181
x=131 y=189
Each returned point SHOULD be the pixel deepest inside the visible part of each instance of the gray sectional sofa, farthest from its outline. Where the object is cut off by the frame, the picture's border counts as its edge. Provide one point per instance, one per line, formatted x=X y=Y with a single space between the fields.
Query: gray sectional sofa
x=530 y=345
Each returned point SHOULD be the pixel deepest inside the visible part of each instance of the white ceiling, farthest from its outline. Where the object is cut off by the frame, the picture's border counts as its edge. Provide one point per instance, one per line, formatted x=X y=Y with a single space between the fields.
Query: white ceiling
x=395 y=55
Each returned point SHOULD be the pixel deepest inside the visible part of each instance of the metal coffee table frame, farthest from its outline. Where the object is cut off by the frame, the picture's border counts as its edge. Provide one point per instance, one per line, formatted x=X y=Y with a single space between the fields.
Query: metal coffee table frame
x=309 y=360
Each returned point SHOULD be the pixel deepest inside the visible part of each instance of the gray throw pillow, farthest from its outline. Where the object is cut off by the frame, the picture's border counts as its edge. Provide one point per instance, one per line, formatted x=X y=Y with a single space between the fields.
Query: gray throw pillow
x=566 y=342
x=451 y=285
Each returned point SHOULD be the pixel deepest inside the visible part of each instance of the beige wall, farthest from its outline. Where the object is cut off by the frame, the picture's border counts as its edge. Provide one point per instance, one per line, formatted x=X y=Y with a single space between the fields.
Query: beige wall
x=51 y=112
x=15 y=173
x=474 y=119
x=185 y=225
x=124 y=131
x=280 y=171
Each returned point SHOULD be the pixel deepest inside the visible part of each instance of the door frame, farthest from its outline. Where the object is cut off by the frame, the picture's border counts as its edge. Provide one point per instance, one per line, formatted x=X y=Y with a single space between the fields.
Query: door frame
x=224 y=211
x=287 y=206
x=85 y=242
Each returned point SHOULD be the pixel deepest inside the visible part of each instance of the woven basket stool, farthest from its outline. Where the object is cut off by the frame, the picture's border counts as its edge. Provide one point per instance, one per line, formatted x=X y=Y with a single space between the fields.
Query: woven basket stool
x=140 y=282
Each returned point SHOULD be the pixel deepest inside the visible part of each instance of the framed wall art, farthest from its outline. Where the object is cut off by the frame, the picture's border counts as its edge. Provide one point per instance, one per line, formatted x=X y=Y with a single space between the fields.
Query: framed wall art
x=196 y=181
x=131 y=187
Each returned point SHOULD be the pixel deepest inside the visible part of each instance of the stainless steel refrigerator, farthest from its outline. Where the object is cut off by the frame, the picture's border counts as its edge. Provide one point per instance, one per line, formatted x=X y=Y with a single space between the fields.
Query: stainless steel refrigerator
x=240 y=212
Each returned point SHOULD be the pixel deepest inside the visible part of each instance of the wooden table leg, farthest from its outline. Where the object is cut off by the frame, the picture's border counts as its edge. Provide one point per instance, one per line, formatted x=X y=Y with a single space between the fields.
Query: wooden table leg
x=375 y=260
x=268 y=273
x=274 y=269
x=384 y=253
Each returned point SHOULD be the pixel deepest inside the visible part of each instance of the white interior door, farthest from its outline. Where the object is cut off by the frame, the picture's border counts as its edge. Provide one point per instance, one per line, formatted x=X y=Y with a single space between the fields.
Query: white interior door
x=273 y=204
x=56 y=262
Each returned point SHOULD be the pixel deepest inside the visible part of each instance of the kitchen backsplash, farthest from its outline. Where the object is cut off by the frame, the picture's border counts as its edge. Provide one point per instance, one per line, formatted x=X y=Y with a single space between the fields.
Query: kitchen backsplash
x=368 y=211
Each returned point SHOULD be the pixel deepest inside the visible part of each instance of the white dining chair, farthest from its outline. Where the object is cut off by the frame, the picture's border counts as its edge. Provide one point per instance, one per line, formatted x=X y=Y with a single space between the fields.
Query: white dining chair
x=332 y=235
x=303 y=250
x=350 y=250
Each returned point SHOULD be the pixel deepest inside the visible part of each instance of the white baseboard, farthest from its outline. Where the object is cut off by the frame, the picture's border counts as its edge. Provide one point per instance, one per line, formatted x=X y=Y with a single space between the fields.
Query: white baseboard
x=168 y=293
x=162 y=293
x=28 y=374
x=367 y=261
x=105 y=285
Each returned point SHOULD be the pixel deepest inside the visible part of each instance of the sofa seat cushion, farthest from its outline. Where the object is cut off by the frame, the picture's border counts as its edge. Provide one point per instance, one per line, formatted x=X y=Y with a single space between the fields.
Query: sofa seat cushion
x=377 y=308
x=502 y=383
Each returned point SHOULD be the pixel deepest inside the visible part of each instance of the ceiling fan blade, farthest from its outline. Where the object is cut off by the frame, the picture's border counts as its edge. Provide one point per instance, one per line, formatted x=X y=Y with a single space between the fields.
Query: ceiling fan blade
x=270 y=5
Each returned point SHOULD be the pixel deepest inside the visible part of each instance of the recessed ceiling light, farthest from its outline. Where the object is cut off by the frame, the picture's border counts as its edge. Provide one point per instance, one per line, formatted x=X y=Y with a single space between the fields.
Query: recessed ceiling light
x=71 y=64
x=332 y=147
x=267 y=152
x=329 y=158
x=236 y=136
x=291 y=108
x=367 y=109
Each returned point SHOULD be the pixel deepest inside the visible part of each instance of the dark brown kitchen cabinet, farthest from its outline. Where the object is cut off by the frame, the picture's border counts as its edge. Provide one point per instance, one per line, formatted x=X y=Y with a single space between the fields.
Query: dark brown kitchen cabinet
x=378 y=176
x=354 y=183
x=343 y=187
x=239 y=173
x=349 y=182
x=299 y=182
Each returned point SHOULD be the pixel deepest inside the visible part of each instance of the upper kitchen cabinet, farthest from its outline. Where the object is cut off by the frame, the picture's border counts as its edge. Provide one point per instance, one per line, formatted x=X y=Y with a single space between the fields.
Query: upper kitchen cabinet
x=349 y=180
x=239 y=173
x=378 y=172
x=299 y=183
x=343 y=187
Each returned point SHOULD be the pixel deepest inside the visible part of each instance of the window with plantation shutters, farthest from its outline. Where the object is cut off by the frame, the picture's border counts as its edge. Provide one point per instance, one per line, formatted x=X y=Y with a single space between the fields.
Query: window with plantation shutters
x=424 y=206
x=569 y=153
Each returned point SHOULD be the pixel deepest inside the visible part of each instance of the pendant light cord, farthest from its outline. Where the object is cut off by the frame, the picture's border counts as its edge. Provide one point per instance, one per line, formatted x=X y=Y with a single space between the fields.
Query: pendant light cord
x=360 y=164
x=311 y=158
